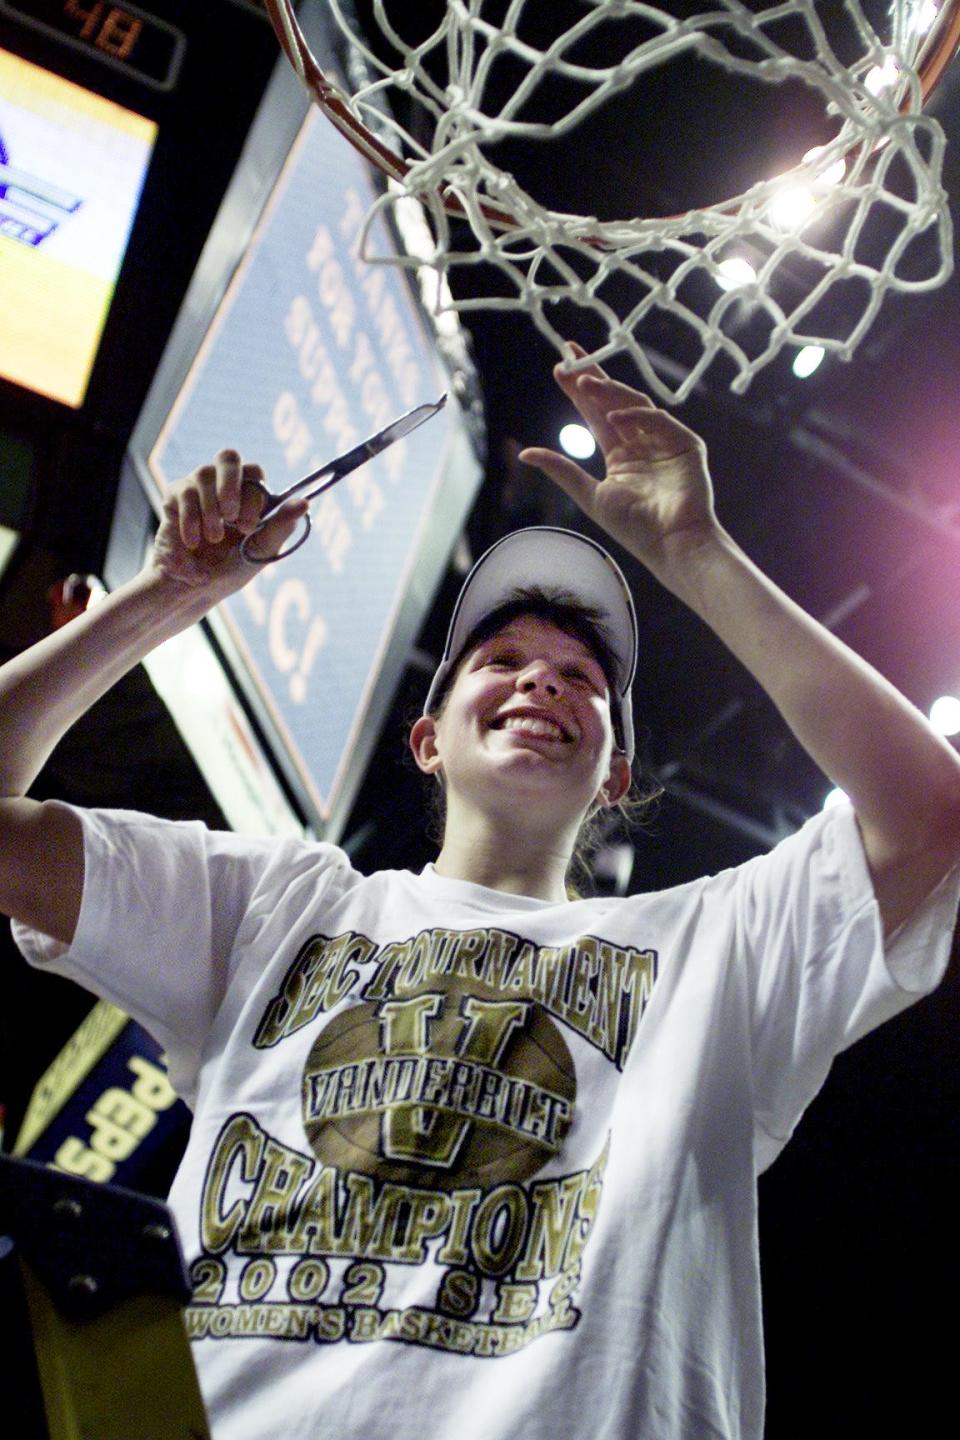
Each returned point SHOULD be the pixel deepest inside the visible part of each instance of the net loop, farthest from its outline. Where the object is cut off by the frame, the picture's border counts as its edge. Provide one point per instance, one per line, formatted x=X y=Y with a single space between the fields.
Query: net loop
x=859 y=217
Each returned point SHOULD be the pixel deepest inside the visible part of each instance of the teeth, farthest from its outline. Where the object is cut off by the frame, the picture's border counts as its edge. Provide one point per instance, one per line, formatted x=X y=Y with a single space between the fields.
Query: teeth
x=528 y=725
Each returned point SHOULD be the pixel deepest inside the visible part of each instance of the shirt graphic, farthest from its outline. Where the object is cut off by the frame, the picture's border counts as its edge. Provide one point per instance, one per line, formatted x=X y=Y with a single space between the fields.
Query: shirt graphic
x=430 y=1105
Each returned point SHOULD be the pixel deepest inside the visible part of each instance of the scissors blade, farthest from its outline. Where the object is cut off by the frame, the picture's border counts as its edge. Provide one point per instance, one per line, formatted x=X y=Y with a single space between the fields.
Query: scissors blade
x=360 y=454
x=335 y=469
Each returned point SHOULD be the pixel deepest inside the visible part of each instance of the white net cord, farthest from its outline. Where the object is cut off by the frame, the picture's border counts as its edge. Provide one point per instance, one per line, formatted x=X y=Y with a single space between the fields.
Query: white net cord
x=722 y=280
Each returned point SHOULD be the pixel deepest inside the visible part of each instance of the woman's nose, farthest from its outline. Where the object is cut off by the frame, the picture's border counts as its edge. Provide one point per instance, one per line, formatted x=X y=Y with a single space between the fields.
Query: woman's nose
x=539 y=675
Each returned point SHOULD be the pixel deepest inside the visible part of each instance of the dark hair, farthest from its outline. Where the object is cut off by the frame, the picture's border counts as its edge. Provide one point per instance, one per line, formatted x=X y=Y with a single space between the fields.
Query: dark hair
x=599 y=825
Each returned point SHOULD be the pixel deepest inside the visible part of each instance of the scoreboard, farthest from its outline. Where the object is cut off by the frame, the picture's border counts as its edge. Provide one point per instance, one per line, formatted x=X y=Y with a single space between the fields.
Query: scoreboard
x=72 y=168
x=121 y=35
x=74 y=155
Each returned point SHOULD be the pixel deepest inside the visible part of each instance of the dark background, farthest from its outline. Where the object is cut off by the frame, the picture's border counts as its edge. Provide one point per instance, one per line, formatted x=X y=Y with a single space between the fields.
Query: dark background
x=844 y=487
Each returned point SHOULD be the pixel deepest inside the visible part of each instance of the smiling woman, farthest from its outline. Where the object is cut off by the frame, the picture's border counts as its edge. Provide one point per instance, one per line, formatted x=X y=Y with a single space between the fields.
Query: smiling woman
x=547 y=669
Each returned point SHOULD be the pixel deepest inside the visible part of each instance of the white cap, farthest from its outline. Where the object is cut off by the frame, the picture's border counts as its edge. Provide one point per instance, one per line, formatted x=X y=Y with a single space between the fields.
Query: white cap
x=547 y=558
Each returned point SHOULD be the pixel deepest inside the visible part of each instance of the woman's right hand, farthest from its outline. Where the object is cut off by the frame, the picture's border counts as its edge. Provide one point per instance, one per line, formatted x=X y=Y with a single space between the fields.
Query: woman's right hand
x=207 y=516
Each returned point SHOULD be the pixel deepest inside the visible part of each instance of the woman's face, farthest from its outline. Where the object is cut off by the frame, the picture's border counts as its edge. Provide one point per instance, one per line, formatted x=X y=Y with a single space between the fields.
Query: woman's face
x=527 y=715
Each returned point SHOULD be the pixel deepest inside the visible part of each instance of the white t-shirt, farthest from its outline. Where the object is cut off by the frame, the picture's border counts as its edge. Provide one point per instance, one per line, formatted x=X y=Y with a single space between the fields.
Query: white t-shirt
x=466 y=1164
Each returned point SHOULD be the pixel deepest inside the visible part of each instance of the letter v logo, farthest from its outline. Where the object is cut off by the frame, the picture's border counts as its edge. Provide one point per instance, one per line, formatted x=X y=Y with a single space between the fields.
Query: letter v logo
x=460 y=1082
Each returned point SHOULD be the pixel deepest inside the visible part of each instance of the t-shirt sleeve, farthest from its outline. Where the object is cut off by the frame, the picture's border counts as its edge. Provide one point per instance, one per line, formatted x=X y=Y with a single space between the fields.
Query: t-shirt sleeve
x=822 y=975
x=162 y=904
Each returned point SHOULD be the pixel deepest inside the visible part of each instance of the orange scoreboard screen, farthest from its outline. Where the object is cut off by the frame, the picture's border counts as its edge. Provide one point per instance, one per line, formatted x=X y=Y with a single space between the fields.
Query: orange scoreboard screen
x=72 y=167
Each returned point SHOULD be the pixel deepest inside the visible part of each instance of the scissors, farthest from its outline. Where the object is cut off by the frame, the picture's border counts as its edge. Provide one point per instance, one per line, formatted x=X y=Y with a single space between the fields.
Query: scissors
x=319 y=480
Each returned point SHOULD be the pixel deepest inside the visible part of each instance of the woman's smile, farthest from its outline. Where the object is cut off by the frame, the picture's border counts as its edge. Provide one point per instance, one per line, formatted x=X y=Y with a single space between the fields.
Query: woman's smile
x=533 y=723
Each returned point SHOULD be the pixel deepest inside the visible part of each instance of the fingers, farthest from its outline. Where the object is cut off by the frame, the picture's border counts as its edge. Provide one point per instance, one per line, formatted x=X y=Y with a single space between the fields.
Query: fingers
x=597 y=386
x=227 y=494
x=182 y=510
x=234 y=496
x=564 y=472
x=253 y=497
x=654 y=433
x=205 y=491
x=596 y=396
x=278 y=530
x=593 y=371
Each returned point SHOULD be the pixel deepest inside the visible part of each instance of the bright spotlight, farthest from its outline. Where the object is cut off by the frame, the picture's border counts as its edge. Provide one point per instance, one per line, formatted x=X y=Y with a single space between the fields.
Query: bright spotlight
x=833 y=175
x=577 y=441
x=735 y=272
x=945 y=715
x=883 y=77
x=791 y=206
x=923 y=16
x=807 y=360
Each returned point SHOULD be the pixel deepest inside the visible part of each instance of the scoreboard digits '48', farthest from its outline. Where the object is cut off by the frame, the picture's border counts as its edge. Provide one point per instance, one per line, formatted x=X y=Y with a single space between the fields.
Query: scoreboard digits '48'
x=107 y=26
x=122 y=35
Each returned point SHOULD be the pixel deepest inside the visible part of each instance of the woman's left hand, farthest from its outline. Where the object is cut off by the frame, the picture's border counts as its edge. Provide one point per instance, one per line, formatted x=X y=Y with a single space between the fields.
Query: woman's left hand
x=656 y=497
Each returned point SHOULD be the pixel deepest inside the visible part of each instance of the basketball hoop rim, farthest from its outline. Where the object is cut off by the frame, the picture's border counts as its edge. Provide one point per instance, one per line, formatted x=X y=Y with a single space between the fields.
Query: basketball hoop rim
x=944 y=44
x=936 y=54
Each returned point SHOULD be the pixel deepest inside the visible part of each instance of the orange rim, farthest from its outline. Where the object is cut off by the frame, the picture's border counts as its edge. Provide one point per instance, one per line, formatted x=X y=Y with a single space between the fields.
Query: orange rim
x=943 y=46
x=331 y=101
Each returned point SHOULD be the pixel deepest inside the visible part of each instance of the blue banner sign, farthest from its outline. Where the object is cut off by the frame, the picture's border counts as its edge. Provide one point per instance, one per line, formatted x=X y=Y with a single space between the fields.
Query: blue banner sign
x=313 y=349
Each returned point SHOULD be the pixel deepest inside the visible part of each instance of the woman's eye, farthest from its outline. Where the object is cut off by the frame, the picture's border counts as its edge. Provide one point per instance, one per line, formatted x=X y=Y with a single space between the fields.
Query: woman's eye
x=581 y=677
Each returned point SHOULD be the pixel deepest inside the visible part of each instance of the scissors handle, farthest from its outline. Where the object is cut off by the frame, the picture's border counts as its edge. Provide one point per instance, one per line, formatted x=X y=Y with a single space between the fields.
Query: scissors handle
x=272 y=504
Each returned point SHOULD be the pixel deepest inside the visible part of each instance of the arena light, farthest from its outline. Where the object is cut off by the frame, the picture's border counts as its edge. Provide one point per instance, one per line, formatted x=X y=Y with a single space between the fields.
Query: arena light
x=734 y=273
x=791 y=206
x=796 y=199
x=577 y=441
x=9 y=539
x=833 y=175
x=945 y=715
x=883 y=77
x=923 y=15
x=807 y=360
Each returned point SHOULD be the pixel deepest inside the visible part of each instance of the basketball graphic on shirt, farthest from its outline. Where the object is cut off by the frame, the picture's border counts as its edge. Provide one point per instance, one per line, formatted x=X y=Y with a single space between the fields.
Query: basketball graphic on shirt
x=453 y=1085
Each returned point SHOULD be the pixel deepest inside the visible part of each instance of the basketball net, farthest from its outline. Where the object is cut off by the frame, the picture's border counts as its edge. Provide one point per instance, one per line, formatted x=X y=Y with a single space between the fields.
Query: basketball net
x=802 y=259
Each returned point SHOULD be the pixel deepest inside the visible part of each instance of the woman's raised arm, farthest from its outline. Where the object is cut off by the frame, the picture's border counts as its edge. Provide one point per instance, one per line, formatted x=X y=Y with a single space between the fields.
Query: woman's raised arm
x=656 y=499
x=196 y=563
